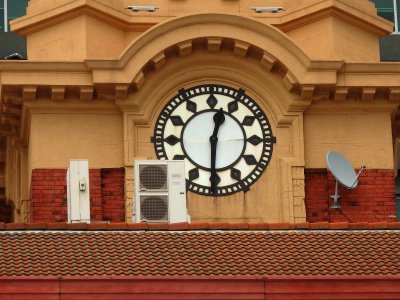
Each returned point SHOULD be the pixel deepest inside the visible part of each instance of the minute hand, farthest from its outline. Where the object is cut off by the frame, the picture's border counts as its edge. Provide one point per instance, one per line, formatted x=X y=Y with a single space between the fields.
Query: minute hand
x=219 y=118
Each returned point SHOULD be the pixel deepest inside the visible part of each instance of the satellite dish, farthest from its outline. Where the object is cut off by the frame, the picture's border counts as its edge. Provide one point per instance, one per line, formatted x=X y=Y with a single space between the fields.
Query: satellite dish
x=343 y=172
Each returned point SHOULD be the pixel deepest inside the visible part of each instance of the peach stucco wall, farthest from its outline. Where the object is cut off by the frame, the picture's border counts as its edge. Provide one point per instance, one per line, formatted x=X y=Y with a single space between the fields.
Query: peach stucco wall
x=364 y=138
x=57 y=138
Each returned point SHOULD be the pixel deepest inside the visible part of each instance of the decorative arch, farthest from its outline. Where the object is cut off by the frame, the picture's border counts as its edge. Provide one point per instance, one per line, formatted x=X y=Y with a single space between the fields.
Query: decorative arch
x=194 y=26
x=185 y=56
x=241 y=36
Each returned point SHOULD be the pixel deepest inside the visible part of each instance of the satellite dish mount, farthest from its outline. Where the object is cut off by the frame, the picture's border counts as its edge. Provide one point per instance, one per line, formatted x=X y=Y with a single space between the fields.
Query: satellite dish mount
x=343 y=173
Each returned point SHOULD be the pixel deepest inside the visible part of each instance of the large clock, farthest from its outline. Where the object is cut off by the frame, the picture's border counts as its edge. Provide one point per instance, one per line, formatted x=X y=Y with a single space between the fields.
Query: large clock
x=222 y=134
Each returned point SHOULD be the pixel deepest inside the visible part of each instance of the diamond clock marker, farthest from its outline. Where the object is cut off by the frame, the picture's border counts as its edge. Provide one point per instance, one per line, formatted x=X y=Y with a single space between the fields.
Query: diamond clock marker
x=191 y=106
x=248 y=120
x=212 y=101
x=236 y=174
x=194 y=174
x=255 y=140
x=218 y=179
x=177 y=120
x=172 y=140
x=233 y=106
x=250 y=159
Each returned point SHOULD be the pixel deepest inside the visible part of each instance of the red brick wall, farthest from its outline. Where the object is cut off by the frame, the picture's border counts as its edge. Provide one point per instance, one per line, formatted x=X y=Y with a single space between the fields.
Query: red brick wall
x=96 y=207
x=372 y=201
x=112 y=193
x=48 y=196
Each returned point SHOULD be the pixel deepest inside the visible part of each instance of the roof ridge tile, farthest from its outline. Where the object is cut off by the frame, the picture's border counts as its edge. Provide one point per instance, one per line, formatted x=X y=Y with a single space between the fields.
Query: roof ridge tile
x=138 y=226
x=77 y=226
x=199 y=226
x=179 y=226
x=57 y=226
x=339 y=225
x=158 y=226
x=378 y=225
x=319 y=225
x=218 y=226
x=359 y=226
x=15 y=226
x=279 y=226
x=184 y=226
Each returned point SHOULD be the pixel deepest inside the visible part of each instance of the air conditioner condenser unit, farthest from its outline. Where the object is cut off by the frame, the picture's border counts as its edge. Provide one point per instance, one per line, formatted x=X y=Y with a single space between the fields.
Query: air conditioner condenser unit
x=160 y=191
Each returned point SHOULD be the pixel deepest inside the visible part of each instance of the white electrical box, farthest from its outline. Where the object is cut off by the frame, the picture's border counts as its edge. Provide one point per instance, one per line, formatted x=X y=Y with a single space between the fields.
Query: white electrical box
x=78 y=195
x=160 y=191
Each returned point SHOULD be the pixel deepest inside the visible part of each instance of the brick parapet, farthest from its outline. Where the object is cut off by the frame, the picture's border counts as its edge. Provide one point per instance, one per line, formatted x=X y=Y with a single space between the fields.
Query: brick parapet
x=113 y=194
x=48 y=195
x=96 y=206
x=372 y=201
x=48 y=198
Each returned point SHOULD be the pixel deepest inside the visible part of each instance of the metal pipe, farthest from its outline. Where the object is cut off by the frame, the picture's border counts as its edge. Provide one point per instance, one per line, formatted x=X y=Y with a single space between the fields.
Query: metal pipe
x=5 y=16
x=396 y=17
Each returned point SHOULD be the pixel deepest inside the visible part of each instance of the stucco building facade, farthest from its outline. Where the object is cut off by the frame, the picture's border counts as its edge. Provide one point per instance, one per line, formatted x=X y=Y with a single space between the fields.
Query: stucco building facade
x=251 y=95
x=99 y=75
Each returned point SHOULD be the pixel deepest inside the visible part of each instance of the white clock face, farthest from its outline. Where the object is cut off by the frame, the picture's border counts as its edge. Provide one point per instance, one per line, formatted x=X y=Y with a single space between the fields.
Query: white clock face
x=221 y=133
x=196 y=140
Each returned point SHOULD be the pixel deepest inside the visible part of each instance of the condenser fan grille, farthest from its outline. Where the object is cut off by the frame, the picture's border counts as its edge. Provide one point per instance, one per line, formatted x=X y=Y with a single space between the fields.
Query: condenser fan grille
x=154 y=208
x=153 y=177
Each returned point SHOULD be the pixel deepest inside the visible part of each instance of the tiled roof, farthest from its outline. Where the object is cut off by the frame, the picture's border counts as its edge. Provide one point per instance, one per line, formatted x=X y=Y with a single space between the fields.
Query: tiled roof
x=290 y=252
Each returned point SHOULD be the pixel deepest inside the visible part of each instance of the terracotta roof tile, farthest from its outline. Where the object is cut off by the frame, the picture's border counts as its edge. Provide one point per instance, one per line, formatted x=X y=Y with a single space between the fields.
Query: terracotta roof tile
x=57 y=226
x=279 y=226
x=218 y=225
x=198 y=225
x=378 y=225
x=77 y=226
x=15 y=226
x=304 y=225
x=339 y=225
x=36 y=226
x=179 y=226
x=394 y=225
x=227 y=252
x=138 y=226
x=158 y=226
x=359 y=226
x=319 y=225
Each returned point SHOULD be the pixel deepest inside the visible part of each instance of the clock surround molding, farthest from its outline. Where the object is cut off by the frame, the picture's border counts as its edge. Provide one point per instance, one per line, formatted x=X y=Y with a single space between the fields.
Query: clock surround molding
x=281 y=185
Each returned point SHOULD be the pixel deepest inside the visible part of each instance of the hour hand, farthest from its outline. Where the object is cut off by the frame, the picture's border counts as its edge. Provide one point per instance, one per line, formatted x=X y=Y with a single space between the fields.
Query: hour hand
x=218 y=118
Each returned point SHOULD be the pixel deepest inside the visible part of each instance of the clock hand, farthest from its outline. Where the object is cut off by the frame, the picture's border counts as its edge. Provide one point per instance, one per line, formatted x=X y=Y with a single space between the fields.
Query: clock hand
x=219 y=118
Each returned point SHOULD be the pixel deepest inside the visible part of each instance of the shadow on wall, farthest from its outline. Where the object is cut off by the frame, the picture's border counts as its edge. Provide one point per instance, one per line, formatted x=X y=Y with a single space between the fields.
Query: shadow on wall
x=6 y=211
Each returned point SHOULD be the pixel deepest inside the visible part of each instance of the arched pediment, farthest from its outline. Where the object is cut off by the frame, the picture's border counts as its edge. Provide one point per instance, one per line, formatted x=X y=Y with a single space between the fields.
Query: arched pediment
x=241 y=36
